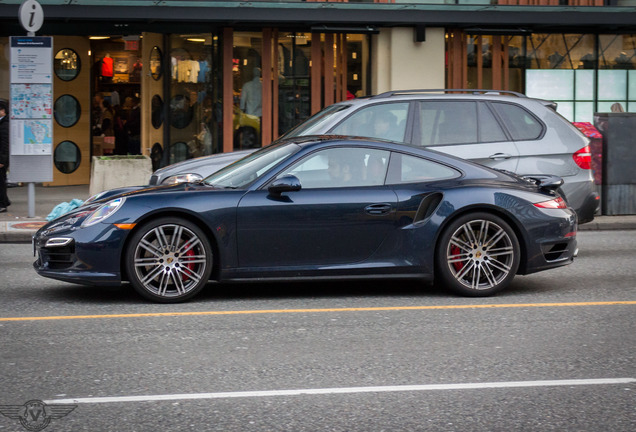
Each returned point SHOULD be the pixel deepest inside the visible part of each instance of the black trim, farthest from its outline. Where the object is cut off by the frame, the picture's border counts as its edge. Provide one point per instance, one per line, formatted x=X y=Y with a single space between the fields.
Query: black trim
x=117 y=18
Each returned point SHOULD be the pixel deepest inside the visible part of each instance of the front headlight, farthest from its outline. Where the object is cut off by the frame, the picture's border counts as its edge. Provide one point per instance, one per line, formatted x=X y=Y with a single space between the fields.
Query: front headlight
x=104 y=211
x=94 y=198
x=182 y=178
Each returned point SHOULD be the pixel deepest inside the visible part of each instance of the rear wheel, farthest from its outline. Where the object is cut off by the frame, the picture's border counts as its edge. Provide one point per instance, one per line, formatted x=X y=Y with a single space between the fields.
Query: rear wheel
x=477 y=255
x=169 y=260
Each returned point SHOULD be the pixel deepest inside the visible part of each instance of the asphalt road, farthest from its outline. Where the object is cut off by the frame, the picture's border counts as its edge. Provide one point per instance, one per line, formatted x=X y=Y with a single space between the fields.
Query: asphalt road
x=556 y=352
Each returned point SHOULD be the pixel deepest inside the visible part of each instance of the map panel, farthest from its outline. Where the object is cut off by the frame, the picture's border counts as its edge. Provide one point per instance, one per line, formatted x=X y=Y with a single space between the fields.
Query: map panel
x=31 y=101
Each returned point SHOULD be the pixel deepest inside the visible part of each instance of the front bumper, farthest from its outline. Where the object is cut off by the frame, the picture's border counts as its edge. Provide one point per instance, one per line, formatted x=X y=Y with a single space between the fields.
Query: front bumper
x=83 y=259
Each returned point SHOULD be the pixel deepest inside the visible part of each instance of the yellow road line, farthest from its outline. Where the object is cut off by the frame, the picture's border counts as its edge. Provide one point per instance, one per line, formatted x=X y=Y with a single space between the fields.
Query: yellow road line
x=286 y=311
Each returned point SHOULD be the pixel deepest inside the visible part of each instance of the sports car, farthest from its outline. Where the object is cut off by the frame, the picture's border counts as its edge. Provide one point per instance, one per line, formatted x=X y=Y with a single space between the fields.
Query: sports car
x=328 y=207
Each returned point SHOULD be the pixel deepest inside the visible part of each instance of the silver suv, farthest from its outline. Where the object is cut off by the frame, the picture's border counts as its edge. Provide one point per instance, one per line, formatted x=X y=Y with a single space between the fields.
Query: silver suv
x=500 y=129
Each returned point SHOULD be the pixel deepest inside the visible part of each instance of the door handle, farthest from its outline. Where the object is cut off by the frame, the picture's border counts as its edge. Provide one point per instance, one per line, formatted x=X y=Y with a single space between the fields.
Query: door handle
x=378 y=209
x=500 y=156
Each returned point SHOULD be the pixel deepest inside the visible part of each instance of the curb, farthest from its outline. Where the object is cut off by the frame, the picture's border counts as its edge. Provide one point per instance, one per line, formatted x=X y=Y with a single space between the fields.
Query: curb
x=19 y=231
x=608 y=226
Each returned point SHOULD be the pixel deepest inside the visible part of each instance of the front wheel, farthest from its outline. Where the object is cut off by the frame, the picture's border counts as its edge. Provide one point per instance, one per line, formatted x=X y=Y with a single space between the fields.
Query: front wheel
x=477 y=255
x=169 y=260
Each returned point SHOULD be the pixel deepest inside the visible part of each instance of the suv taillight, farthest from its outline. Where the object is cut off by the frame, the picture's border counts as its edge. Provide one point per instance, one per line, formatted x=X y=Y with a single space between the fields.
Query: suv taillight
x=583 y=158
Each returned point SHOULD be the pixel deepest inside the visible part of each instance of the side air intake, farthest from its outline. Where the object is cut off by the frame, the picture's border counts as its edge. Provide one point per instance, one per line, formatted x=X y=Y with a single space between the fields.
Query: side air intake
x=428 y=206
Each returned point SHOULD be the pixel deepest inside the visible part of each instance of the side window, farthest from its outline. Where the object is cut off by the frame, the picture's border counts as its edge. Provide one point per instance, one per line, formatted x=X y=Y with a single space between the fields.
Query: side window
x=489 y=128
x=447 y=122
x=385 y=121
x=411 y=169
x=521 y=124
x=342 y=167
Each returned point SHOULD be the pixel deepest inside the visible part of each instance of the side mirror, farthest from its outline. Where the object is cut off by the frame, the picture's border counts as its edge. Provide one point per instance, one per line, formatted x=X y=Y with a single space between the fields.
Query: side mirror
x=286 y=183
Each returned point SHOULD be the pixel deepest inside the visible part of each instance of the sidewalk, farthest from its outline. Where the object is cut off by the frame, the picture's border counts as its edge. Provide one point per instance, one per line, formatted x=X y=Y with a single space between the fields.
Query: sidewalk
x=17 y=227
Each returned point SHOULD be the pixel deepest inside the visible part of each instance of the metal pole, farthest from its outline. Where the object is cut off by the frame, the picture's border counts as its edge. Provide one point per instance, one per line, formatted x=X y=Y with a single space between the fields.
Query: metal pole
x=31 y=199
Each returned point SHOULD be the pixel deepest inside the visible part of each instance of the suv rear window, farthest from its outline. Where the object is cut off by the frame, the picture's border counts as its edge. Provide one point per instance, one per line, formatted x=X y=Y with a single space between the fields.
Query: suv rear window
x=520 y=123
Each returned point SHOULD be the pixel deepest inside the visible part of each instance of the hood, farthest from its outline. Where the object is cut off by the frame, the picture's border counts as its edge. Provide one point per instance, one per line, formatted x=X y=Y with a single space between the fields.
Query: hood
x=138 y=190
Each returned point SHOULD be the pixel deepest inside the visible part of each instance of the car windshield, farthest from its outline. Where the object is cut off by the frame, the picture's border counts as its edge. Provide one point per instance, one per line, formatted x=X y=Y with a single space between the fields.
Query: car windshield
x=314 y=124
x=249 y=169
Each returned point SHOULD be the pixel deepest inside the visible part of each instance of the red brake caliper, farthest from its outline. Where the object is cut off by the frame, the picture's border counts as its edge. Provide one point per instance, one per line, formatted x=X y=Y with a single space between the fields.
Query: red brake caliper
x=189 y=265
x=457 y=264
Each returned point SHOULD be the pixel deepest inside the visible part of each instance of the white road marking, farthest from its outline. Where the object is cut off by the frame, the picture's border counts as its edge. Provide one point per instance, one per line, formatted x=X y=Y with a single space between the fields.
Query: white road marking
x=344 y=390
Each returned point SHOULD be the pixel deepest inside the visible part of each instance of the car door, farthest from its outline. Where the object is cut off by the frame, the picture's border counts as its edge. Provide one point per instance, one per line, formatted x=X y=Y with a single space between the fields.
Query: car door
x=331 y=221
x=464 y=128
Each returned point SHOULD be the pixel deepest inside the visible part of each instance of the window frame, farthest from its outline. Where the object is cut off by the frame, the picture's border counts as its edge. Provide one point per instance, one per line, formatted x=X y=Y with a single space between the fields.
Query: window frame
x=504 y=123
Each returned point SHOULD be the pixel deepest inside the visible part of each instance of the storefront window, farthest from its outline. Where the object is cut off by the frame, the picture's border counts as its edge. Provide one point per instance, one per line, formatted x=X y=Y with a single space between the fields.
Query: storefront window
x=248 y=89
x=67 y=157
x=117 y=93
x=582 y=73
x=66 y=64
x=195 y=103
x=570 y=71
x=617 y=77
x=156 y=63
x=67 y=110
x=357 y=65
x=294 y=88
x=561 y=69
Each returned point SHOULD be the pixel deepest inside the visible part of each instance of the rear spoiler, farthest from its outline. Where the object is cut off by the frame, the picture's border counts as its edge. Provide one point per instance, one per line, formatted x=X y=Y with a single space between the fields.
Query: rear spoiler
x=545 y=181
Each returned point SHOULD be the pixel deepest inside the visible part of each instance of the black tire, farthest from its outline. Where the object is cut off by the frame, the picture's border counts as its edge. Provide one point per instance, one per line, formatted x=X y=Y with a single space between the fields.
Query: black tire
x=169 y=260
x=477 y=255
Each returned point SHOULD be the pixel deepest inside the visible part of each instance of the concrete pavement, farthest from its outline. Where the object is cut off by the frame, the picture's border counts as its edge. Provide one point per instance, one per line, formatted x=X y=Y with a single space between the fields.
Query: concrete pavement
x=17 y=227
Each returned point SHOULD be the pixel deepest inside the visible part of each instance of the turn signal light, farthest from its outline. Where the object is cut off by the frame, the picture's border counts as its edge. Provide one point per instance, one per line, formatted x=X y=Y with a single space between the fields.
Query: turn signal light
x=583 y=158
x=557 y=203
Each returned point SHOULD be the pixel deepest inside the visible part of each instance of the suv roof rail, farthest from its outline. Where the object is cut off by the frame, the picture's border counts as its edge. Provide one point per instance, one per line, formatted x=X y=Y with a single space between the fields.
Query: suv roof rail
x=471 y=91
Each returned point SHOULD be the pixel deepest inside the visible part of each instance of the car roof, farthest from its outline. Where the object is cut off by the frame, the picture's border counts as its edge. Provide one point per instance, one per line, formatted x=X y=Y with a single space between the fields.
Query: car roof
x=476 y=94
x=309 y=142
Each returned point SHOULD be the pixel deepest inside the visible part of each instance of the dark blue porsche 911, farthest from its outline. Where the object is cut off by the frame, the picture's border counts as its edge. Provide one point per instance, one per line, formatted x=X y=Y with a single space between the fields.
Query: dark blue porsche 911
x=318 y=207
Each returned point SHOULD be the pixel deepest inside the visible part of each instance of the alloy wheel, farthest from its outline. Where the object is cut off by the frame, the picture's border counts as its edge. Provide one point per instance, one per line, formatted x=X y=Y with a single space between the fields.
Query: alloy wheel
x=480 y=254
x=170 y=261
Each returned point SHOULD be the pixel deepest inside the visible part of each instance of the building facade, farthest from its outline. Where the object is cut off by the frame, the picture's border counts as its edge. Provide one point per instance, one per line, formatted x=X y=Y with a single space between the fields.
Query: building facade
x=182 y=79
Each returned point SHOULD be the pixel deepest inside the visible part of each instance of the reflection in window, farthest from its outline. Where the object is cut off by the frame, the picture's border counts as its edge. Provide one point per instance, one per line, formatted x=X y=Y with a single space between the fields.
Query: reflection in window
x=440 y=122
x=156 y=155
x=195 y=102
x=67 y=157
x=67 y=110
x=178 y=152
x=521 y=124
x=156 y=111
x=246 y=71
x=342 y=167
x=66 y=64
x=384 y=121
x=294 y=92
x=411 y=169
x=180 y=111
x=618 y=51
x=155 y=63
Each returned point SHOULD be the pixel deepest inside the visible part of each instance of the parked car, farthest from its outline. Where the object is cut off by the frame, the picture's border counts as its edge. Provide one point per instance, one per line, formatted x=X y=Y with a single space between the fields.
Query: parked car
x=318 y=207
x=504 y=130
